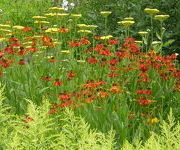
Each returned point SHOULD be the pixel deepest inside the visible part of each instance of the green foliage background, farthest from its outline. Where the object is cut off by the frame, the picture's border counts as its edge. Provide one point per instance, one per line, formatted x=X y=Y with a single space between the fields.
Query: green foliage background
x=21 y=12
x=134 y=8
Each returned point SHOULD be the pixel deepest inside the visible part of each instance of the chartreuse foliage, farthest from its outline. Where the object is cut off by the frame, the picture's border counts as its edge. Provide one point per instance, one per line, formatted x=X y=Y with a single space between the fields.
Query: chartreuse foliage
x=66 y=131
x=167 y=140
x=42 y=131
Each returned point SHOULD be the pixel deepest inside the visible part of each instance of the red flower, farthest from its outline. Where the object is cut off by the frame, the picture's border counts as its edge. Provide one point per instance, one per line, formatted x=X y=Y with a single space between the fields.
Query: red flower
x=27 y=29
x=63 y=30
x=65 y=104
x=47 y=41
x=22 y=52
x=145 y=102
x=103 y=94
x=46 y=78
x=90 y=99
x=105 y=52
x=32 y=49
x=6 y=63
x=177 y=75
x=52 y=111
x=21 y=62
x=115 y=89
x=143 y=67
x=113 y=74
x=121 y=54
x=9 y=50
x=144 y=92
x=1 y=54
x=85 y=41
x=64 y=96
x=113 y=68
x=113 y=62
x=97 y=37
x=71 y=75
x=113 y=42
x=74 y=44
x=13 y=39
x=34 y=42
x=145 y=75
x=129 y=40
x=99 y=47
x=57 y=83
x=145 y=80
x=52 y=60
x=92 y=60
x=28 y=120
x=15 y=44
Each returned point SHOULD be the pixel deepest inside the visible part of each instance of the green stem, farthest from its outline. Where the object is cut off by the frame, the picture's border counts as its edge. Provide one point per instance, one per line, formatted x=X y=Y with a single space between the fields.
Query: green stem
x=161 y=36
x=152 y=29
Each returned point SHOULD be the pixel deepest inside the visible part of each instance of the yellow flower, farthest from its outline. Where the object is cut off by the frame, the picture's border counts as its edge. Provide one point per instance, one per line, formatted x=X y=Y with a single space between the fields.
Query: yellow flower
x=76 y=15
x=5 y=25
x=65 y=51
x=62 y=14
x=39 y=17
x=161 y=17
x=50 y=14
x=151 y=11
x=84 y=31
x=43 y=47
x=152 y=121
x=37 y=36
x=82 y=25
x=128 y=18
x=27 y=43
x=28 y=46
x=156 y=42
x=126 y=23
x=105 y=13
x=92 y=26
x=106 y=37
x=142 y=33
x=8 y=34
x=52 y=30
x=5 y=30
x=139 y=42
x=56 y=43
x=81 y=61
x=48 y=57
x=56 y=8
x=18 y=27
x=3 y=39
x=41 y=22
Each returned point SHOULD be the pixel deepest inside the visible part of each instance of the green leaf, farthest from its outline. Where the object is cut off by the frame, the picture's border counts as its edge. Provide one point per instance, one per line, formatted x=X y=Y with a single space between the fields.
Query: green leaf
x=158 y=36
x=168 y=43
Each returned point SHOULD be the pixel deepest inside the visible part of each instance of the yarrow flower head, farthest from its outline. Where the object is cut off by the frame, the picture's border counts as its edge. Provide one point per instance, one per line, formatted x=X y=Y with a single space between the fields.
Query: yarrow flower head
x=161 y=17
x=84 y=31
x=107 y=37
x=39 y=17
x=18 y=27
x=56 y=8
x=76 y=16
x=129 y=18
x=151 y=11
x=105 y=13
x=143 y=33
x=126 y=23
